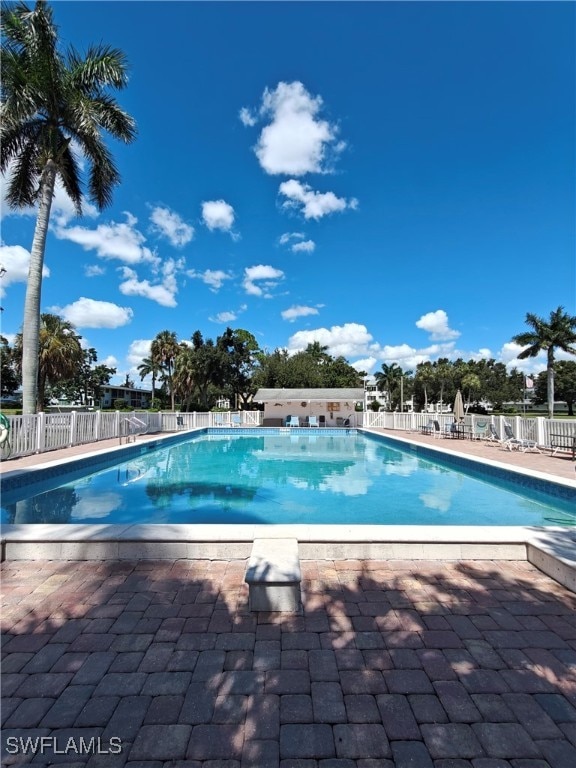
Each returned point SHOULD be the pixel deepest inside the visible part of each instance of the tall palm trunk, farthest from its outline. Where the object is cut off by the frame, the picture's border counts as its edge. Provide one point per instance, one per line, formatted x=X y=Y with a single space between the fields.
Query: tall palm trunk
x=550 y=383
x=31 y=327
x=170 y=380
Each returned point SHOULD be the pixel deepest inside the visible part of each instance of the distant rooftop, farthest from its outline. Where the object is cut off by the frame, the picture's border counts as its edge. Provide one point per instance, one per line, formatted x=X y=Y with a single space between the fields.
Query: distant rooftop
x=312 y=393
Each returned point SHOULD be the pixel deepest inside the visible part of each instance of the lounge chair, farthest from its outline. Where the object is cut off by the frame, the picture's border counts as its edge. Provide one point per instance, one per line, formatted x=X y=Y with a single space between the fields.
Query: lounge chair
x=294 y=421
x=493 y=436
x=521 y=444
x=480 y=430
x=433 y=428
x=312 y=421
x=218 y=419
x=236 y=419
x=322 y=420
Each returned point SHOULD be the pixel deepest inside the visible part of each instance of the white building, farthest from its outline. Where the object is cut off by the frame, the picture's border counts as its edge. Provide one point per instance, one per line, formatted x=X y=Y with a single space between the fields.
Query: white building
x=134 y=398
x=331 y=406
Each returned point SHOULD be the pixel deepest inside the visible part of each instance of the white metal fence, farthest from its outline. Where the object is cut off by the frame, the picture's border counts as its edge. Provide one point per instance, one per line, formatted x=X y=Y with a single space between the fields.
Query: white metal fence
x=48 y=431
x=544 y=431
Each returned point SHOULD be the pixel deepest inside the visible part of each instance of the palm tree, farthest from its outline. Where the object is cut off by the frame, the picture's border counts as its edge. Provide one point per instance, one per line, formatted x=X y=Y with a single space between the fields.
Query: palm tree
x=470 y=383
x=163 y=351
x=184 y=378
x=149 y=367
x=559 y=332
x=425 y=376
x=388 y=379
x=60 y=353
x=53 y=104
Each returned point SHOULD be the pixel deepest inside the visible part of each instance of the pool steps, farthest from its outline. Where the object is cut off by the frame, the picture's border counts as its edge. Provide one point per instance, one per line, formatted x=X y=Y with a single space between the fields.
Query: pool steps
x=273 y=575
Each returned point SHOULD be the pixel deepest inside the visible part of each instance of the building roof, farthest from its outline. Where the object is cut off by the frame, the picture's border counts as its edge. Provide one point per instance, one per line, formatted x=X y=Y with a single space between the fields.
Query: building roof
x=316 y=393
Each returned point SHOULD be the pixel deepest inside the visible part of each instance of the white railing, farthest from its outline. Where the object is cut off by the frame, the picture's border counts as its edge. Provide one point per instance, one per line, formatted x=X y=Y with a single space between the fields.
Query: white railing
x=49 y=431
x=539 y=429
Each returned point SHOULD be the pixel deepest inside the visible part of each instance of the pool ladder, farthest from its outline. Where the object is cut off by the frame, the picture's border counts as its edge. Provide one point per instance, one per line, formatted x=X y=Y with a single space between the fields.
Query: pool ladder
x=130 y=427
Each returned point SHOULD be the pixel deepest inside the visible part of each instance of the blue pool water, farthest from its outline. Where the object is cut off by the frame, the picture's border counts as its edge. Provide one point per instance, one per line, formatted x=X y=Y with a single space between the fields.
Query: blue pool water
x=286 y=478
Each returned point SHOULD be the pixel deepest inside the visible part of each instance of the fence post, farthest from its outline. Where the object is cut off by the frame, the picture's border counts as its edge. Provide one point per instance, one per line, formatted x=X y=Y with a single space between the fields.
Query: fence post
x=97 y=425
x=541 y=431
x=72 y=428
x=40 y=420
x=117 y=424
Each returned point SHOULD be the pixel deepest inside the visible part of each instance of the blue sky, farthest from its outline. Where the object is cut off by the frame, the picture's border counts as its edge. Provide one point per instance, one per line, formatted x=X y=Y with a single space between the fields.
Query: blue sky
x=394 y=180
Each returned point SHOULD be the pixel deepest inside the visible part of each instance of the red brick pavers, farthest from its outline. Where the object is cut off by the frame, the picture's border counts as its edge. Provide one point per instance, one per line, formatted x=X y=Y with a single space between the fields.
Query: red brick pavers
x=389 y=665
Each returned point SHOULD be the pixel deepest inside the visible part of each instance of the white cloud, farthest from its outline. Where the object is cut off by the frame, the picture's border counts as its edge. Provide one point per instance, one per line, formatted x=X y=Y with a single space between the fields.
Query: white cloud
x=228 y=316
x=366 y=364
x=224 y=317
x=213 y=278
x=16 y=261
x=267 y=275
x=163 y=293
x=509 y=352
x=111 y=241
x=247 y=118
x=171 y=226
x=91 y=313
x=298 y=311
x=287 y=236
x=297 y=247
x=218 y=214
x=349 y=340
x=314 y=205
x=307 y=246
x=94 y=270
x=353 y=340
x=436 y=324
x=408 y=357
x=295 y=141
x=110 y=361
x=137 y=351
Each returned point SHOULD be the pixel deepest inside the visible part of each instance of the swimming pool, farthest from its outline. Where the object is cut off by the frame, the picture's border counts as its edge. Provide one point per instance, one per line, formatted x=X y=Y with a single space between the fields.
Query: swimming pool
x=267 y=477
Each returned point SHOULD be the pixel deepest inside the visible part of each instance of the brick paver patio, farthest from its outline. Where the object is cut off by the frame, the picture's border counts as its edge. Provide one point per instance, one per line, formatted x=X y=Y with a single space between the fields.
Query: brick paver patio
x=389 y=665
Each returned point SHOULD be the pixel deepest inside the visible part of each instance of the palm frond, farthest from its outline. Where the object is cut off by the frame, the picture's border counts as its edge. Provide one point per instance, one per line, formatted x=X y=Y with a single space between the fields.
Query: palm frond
x=52 y=98
x=102 y=66
x=23 y=185
x=69 y=173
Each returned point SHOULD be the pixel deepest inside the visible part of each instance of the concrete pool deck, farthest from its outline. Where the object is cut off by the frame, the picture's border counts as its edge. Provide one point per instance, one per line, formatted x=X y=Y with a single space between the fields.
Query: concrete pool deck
x=553 y=550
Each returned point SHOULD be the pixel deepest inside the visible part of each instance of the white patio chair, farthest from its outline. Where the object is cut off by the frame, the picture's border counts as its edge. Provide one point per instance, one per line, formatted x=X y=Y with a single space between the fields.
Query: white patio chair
x=520 y=444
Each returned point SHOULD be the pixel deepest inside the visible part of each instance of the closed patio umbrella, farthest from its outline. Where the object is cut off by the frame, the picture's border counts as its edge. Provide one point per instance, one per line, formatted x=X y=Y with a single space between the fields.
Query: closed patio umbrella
x=458 y=407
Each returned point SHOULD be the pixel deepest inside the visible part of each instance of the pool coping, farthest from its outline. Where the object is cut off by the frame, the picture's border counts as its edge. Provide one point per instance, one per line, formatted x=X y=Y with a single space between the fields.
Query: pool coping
x=552 y=549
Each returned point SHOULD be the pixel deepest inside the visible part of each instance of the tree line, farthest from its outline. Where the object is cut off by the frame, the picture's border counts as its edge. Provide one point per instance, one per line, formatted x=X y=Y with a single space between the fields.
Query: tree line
x=195 y=373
